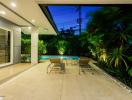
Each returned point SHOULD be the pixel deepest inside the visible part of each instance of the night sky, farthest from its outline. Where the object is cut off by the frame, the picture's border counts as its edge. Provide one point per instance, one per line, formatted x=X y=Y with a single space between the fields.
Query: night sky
x=66 y=16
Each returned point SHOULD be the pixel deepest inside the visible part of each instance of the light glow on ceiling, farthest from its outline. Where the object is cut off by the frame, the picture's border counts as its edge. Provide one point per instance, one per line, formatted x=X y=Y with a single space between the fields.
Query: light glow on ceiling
x=29 y=28
x=33 y=20
x=2 y=12
x=13 y=4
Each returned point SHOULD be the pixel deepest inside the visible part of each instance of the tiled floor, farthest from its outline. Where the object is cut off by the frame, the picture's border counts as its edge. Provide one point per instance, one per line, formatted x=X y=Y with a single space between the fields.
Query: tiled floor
x=35 y=84
x=7 y=72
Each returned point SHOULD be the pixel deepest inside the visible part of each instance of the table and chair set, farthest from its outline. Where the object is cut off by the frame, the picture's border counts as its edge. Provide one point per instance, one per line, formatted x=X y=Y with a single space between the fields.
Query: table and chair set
x=58 y=64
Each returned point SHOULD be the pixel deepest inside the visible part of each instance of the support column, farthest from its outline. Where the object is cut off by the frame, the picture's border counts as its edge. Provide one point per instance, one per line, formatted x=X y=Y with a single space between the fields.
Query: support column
x=34 y=47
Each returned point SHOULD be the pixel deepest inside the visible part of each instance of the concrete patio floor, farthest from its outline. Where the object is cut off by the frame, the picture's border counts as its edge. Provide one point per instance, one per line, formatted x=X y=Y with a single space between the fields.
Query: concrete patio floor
x=35 y=84
x=10 y=71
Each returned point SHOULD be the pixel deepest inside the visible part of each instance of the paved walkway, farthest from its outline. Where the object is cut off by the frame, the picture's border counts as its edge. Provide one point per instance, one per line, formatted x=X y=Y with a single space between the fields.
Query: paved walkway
x=35 y=84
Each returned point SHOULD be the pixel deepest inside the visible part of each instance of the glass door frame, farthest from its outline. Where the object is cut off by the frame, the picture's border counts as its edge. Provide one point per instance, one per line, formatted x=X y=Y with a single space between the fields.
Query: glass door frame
x=11 y=47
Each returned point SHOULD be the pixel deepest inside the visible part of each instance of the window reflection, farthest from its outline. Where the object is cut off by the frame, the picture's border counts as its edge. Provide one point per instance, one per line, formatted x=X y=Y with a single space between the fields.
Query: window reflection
x=4 y=46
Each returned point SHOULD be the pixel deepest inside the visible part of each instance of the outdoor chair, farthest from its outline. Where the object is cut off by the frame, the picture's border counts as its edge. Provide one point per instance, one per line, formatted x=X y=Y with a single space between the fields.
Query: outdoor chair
x=56 y=64
x=84 y=65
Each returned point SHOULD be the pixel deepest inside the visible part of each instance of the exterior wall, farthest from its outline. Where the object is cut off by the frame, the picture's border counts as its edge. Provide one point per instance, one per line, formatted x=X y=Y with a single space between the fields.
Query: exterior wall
x=16 y=30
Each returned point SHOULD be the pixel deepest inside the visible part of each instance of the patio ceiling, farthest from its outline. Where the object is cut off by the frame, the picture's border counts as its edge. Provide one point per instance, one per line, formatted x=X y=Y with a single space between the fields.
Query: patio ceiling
x=26 y=13
x=84 y=1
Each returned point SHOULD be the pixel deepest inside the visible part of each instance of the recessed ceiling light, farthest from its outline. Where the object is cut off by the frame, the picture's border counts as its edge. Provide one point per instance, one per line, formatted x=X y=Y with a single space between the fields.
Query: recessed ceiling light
x=2 y=12
x=13 y=4
x=33 y=20
x=29 y=28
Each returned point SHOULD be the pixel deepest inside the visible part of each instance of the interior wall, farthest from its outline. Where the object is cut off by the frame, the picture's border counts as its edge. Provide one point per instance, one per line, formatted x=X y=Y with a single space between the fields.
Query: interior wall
x=16 y=38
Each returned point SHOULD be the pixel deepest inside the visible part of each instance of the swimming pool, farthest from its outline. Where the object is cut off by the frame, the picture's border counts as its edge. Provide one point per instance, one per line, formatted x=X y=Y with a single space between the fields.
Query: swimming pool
x=62 y=57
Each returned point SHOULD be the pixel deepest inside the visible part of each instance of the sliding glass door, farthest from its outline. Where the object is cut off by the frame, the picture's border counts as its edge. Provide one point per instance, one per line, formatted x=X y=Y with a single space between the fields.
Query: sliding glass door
x=5 y=46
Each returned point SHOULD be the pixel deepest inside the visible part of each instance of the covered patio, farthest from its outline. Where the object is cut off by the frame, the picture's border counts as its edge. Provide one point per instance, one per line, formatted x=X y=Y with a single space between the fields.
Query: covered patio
x=32 y=82
x=36 y=84
x=27 y=16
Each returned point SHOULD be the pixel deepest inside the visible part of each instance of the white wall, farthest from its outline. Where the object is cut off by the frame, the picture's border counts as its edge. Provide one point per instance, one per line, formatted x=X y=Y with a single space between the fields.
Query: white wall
x=34 y=47
x=16 y=30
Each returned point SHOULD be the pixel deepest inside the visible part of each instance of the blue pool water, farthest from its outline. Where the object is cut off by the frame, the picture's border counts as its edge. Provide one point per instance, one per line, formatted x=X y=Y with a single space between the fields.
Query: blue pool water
x=62 y=57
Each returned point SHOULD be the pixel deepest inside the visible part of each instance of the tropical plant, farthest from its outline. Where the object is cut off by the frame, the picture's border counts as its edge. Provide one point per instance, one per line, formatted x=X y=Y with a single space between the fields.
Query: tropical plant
x=25 y=49
x=130 y=72
x=25 y=46
x=117 y=58
x=42 y=47
x=95 y=45
x=115 y=24
x=61 y=46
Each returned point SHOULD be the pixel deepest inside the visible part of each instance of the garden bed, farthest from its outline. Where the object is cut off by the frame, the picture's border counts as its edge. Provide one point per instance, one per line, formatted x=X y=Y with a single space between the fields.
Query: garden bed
x=117 y=75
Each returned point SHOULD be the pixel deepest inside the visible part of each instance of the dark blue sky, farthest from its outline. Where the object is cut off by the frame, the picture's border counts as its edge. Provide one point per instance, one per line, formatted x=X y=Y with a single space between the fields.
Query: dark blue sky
x=66 y=16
